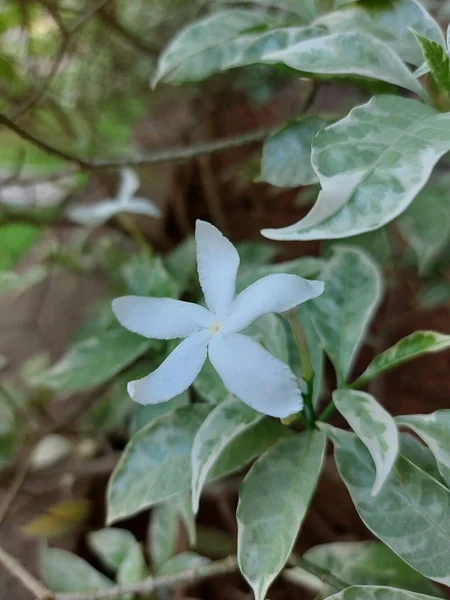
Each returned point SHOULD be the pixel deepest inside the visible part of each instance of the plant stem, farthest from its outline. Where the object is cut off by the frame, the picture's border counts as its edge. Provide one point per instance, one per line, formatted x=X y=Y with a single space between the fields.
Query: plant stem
x=305 y=362
x=130 y=227
x=37 y=589
x=328 y=411
x=320 y=572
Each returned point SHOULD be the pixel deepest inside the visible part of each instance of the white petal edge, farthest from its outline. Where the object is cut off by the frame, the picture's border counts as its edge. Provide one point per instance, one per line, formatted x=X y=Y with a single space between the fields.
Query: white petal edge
x=217 y=265
x=141 y=206
x=93 y=214
x=275 y=293
x=161 y=318
x=129 y=184
x=175 y=374
x=256 y=377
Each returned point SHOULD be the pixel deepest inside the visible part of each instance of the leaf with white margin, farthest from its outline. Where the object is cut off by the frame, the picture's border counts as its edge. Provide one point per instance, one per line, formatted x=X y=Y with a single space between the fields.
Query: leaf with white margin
x=63 y=571
x=163 y=533
x=411 y=514
x=182 y=562
x=353 y=289
x=286 y=155
x=408 y=348
x=192 y=53
x=273 y=501
x=133 y=568
x=375 y=592
x=308 y=267
x=156 y=464
x=434 y=430
x=227 y=421
x=375 y=428
x=303 y=8
x=364 y=563
x=111 y=545
x=346 y=53
x=389 y=23
x=426 y=223
x=371 y=165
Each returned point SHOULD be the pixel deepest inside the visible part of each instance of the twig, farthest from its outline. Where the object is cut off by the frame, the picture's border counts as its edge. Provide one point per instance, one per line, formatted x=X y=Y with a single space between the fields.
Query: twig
x=149 y=159
x=151 y=584
x=109 y=20
x=67 y=35
x=11 y=564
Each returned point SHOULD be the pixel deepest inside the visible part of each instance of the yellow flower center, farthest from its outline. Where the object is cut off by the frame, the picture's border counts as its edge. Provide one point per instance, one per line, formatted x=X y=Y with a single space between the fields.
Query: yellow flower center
x=215 y=327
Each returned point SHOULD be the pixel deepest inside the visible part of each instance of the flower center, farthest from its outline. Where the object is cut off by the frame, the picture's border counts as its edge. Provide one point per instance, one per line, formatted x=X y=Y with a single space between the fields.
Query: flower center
x=215 y=327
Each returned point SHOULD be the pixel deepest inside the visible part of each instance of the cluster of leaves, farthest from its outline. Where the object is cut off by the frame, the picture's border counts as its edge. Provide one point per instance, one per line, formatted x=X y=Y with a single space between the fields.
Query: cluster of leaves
x=373 y=166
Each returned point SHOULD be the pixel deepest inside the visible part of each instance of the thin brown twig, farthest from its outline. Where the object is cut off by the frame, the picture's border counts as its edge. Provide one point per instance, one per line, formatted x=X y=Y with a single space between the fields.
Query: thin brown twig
x=152 y=584
x=11 y=564
x=109 y=20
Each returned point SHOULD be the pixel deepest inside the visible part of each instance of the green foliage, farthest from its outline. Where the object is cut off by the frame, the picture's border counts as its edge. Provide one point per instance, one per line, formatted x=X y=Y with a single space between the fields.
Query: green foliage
x=437 y=59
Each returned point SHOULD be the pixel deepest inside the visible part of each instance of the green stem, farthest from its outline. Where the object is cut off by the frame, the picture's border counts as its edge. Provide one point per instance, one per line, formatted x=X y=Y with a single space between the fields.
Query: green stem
x=328 y=411
x=305 y=362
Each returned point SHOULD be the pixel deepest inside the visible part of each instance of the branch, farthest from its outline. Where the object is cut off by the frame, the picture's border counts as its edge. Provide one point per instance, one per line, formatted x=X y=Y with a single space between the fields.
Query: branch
x=11 y=564
x=152 y=584
x=320 y=572
x=146 y=159
x=109 y=20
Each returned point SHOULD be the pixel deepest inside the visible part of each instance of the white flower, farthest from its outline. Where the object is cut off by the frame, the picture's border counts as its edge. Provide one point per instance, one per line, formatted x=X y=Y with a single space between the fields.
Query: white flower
x=247 y=370
x=125 y=202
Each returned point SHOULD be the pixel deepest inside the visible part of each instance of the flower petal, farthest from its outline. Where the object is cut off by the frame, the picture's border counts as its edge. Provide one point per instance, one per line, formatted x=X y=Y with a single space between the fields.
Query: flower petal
x=272 y=294
x=129 y=184
x=161 y=318
x=141 y=206
x=253 y=375
x=93 y=214
x=175 y=374
x=217 y=264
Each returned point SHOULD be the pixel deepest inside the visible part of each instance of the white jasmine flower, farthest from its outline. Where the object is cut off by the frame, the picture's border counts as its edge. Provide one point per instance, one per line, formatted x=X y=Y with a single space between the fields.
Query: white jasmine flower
x=247 y=370
x=125 y=202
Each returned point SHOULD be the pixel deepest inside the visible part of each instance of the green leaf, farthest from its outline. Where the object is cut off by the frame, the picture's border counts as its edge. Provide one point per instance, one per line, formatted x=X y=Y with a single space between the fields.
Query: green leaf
x=133 y=568
x=353 y=289
x=420 y=455
x=426 y=223
x=255 y=253
x=375 y=243
x=181 y=263
x=162 y=534
x=366 y=563
x=270 y=332
x=10 y=281
x=306 y=9
x=192 y=52
x=111 y=545
x=306 y=266
x=209 y=385
x=389 y=22
x=375 y=428
x=408 y=348
x=273 y=501
x=345 y=53
x=183 y=562
x=286 y=157
x=434 y=430
x=16 y=240
x=225 y=423
x=94 y=360
x=373 y=592
x=437 y=59
x=63 y=571
x=145 y=414
x=371 y=165
x=184 y=507
x=147 y=276
x=409 y=513
x=316 y=353
x=156 y=464
x=8 y=435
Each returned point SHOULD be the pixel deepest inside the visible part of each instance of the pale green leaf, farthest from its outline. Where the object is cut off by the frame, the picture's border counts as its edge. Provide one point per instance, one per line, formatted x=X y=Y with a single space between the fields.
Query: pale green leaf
x=192 y=52
x=63 y=571
x=111 y=545
x=133 y=568
x=306 y=9
x=225 y=423
x=93 y=360
x=181 y=263
x=353 y=289
x=183 y=562
x=434 y=430
x=366 y=563
x=437 y=60
x=255 y=253
x=273 y=501
x=369 y=592
x=286 y=156
x=375 y=243
x=16 y=240
x=371 y=165
x=316 y=353
x=375 y=428
x=209 y=385
x=143 y=415
x=144 y=275
x=269 y=331
x=163 y=533
x=306 y=266
x=426 y=223
x=435 y=294
x=156 y=464
x=389 y=22
x=184 y=506
x=10 y=281
x=408 y=348
x=411 y=512
x=420 y=455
